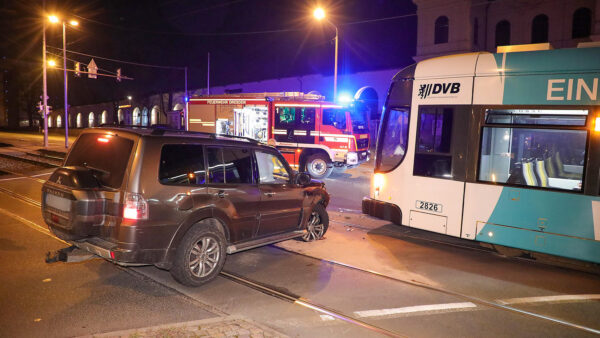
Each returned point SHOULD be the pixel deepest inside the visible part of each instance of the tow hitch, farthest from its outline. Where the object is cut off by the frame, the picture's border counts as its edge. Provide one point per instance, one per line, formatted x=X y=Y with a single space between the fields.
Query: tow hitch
x=70 y=254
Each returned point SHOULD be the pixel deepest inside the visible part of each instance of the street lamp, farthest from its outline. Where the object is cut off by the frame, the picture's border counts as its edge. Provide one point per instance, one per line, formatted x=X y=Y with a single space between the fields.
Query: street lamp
x=319 y=14
x=55 y=19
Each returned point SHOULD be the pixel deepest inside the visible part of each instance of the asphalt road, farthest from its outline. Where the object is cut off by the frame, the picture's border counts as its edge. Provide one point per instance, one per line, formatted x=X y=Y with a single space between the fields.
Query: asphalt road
x=407 y=283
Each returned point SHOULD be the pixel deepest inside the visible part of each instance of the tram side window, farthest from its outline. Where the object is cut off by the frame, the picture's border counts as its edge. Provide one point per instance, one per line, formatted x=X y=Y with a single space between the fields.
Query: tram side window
x=545 y=158
x=433 y=155
x=393 y=139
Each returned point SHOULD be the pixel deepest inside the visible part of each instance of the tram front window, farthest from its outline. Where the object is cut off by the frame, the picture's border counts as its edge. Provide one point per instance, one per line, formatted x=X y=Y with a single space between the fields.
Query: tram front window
x=393 y=139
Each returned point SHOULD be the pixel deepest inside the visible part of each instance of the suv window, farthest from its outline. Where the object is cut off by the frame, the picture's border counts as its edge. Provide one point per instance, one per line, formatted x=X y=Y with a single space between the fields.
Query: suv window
x=230 y=165
x=109 y=154
x=271 y=169
x=182 y=164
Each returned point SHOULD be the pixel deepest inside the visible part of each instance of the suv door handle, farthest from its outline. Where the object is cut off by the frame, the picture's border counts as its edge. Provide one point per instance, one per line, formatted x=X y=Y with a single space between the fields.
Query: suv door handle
x=270 y=194
x=221 y=194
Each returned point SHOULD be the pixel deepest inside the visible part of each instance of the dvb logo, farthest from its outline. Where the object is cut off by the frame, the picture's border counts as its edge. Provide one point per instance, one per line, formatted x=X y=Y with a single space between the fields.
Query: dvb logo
x=438 y=88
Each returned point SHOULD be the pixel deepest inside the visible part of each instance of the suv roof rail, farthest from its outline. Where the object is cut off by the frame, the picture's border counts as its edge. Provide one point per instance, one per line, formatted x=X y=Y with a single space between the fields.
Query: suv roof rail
x=161 y=130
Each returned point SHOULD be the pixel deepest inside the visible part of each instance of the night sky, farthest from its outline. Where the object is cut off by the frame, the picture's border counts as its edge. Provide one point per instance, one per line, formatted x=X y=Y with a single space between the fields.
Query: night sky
x=181 y=33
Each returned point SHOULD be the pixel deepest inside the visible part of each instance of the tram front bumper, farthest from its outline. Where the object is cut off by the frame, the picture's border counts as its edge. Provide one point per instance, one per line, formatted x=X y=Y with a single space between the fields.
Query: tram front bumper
x=383 y=210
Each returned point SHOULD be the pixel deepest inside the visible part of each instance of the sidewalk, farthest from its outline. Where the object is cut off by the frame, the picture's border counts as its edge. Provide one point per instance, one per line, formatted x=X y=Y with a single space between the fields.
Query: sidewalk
x=230 y=326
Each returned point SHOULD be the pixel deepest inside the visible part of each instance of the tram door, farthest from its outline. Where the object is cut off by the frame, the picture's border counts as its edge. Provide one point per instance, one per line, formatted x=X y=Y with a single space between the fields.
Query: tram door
x=439 y=169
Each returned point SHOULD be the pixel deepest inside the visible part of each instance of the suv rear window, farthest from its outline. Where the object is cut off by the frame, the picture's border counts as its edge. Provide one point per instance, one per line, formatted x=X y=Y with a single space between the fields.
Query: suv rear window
x=106 y=154
x=182 y=164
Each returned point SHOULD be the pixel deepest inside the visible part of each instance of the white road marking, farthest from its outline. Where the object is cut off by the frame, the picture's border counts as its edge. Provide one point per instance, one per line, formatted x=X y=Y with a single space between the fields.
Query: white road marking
x=549 y=299
x=420 y=309
x=327 y=318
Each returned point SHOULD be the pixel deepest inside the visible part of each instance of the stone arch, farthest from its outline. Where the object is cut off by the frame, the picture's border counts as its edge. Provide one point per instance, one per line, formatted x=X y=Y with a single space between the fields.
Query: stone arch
x=103 y=117
x=154 y=115
x=368 y=98
x=91 y=119
x=136 y=117
x=79 y=122
x=58 y=121
x=145 y=116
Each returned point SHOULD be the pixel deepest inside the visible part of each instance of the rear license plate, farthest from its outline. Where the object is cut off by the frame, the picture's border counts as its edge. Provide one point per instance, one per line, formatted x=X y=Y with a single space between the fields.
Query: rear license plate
x=57 y=202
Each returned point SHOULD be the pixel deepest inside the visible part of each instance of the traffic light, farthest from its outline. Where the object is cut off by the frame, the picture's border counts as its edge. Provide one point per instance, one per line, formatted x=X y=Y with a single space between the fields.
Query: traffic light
x=77 y=69
x=119 y=74
x=40 y=107
x=49 y=108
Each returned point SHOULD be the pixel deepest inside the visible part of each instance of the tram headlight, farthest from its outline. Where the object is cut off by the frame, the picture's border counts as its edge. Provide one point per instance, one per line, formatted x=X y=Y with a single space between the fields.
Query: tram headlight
x=378 y=182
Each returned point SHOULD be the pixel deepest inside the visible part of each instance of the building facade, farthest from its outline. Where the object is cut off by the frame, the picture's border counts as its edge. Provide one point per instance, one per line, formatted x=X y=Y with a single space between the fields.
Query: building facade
x=460 y=26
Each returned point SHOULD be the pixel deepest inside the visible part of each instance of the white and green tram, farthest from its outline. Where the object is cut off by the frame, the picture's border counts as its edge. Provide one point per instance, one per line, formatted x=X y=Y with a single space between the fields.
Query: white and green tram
x=498 y=148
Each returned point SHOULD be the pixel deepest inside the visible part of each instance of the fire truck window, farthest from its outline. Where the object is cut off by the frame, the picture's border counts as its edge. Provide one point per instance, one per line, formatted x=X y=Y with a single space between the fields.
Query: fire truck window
x=230 y=166
x=182 y=164
x=271 y=169
x=286 y=117
x=334 y=117
x=307 y=117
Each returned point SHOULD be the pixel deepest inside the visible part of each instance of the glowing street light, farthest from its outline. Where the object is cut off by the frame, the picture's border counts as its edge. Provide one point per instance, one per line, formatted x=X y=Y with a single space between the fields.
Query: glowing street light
x=51 y=63
x=319 y=14
x=53 y=19
x=73 y=23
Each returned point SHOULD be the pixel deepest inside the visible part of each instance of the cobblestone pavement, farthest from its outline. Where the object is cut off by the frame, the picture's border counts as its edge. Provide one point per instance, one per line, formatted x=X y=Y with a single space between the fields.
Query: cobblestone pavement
x=230 y=326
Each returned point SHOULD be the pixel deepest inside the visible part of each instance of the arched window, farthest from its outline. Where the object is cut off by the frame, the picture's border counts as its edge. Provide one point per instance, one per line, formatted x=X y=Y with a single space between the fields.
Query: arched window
x=58 y=121
x=103 y=117
x=136 y=117
x=539 y=29
x=145 y=116
x=441 y=30
x=476 y=32
x=79 y=120
x=154 y=115
x=582 y=23
x=49 y=121
x=120 y=115
x=503 y=33
x=91 y=119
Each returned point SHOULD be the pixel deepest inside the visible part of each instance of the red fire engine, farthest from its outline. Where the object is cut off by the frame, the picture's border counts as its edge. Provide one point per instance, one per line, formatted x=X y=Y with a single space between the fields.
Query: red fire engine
x=312 y=134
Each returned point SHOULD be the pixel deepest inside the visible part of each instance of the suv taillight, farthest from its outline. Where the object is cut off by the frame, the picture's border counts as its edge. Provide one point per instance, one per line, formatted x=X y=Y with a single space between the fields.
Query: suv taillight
x=135 y=206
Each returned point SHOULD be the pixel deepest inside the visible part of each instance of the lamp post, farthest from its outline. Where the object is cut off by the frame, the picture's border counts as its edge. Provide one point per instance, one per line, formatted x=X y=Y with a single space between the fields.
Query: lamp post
x=319 y=14
x=55 y=19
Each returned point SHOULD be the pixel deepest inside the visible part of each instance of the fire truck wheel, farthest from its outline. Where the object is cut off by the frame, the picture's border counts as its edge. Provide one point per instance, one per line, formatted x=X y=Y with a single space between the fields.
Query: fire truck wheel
x=318 y=166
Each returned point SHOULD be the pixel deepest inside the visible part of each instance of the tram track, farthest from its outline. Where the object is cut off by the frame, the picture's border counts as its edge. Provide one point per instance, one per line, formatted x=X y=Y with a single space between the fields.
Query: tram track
x=287 y=296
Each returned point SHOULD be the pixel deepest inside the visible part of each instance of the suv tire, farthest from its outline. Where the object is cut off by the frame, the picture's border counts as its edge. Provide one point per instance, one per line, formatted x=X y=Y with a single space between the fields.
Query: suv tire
x=317 y=224
x=204 y=245
x=319 y=166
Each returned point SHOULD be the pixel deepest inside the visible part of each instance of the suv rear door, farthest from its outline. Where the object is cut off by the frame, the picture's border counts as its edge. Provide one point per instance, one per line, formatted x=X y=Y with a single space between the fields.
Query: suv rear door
x=280 y=200
x=233 y=189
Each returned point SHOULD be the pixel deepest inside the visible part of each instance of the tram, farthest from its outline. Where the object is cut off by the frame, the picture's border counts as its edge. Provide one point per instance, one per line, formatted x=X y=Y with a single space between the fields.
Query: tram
x=501 y=148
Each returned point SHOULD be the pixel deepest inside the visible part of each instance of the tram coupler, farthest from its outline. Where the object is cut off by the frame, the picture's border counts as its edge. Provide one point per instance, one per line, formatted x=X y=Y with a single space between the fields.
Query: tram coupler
x=71 y=254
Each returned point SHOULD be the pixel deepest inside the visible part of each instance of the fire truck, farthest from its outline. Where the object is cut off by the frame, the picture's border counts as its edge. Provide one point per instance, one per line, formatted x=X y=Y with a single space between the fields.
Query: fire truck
x=312 y=134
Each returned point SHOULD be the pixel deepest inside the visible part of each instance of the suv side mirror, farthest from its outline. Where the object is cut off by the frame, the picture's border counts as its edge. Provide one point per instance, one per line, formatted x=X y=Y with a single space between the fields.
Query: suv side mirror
x=302 y=179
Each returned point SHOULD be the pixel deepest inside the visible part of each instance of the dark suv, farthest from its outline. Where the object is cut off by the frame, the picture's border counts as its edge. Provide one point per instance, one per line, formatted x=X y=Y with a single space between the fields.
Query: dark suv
x=178 y=200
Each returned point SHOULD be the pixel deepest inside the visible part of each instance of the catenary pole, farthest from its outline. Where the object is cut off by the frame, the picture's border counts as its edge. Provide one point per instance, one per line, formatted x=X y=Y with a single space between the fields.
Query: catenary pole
x=66 y=122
